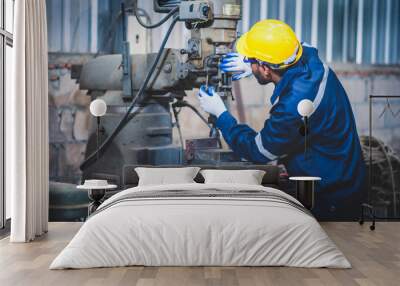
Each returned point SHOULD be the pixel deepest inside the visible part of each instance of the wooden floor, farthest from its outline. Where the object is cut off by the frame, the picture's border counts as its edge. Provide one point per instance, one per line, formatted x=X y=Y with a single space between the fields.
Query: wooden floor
x=375 y=257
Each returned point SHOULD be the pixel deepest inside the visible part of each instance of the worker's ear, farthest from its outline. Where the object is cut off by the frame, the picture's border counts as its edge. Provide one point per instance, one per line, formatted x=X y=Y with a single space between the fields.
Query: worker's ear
x=266 y=71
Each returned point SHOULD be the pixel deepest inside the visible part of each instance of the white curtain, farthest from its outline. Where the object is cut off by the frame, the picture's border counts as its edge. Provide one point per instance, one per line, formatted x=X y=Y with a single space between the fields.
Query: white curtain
x=27 y=160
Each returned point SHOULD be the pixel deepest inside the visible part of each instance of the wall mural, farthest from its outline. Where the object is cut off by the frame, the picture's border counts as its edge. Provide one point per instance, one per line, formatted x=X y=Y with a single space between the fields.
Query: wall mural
x=87 y=59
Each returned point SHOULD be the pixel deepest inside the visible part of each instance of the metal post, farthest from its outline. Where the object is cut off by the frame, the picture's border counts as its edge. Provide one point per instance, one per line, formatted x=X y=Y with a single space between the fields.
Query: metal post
x=299 y=17
x=93 y=31
x=388 y=35
x=126 y=59
x=395 y=33
x=345 y=31
x=329 y=32
x=360 y=19
x=305 y=137
x=374 y=31
x=66 y=24
x=314 y=24
x=245 y=15
x=282 y=7
x=97 y=137
x=263 y=9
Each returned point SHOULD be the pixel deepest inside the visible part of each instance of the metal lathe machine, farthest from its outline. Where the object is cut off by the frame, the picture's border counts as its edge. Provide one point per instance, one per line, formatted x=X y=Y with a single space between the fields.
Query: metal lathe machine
x=150 y=89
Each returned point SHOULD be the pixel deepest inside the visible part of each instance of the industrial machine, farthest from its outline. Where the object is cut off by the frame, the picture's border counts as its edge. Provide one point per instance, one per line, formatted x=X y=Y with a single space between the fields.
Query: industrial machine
x=137 y=128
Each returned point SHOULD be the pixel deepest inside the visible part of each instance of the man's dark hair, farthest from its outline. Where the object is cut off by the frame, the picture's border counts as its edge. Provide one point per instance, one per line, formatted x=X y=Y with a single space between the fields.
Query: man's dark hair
x=281 y=72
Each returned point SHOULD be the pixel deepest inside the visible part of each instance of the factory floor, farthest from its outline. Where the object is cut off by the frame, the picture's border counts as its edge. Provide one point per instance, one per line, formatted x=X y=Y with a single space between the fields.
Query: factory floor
x=374 y=255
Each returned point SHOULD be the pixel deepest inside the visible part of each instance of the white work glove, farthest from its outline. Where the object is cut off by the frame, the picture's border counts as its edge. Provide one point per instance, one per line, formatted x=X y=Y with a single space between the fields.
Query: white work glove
x=234 y=63
x=210 y=101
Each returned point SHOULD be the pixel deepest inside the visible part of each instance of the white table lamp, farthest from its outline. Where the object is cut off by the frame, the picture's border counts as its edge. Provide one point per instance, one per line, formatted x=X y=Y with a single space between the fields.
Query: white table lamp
x=98 y=107
x=305 y=108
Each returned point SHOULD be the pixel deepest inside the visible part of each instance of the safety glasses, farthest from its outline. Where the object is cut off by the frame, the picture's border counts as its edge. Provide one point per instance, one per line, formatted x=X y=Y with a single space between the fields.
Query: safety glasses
x=258 y=62
x=252 y=61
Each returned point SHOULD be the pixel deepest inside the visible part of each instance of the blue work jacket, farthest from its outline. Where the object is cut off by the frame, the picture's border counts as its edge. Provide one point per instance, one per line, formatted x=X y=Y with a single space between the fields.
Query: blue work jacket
x=334 y=152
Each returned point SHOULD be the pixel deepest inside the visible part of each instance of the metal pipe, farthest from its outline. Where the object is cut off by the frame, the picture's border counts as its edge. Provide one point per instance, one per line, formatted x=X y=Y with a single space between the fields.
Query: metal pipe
x=395 y=33
x=263 y=9
x=329 y=32
x=387 y=30
x=246 y=16
x=97 y=136
x=299 y=17
x=282 y=7
x=93 y=32
x=66 y=25
x=314 y=24
x=345 y=31
x=305 y=137
x=360 y=19
x=374 y=31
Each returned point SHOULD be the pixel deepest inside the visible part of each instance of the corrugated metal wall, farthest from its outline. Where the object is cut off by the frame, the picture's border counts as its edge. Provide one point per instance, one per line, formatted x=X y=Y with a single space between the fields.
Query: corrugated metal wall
x=91 y=26
x=355 y=31
x=69 y=25
x=83 y=26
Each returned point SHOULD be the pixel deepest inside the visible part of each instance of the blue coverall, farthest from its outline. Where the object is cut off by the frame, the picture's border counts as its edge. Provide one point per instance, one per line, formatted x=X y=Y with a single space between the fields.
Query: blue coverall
x=334 y=152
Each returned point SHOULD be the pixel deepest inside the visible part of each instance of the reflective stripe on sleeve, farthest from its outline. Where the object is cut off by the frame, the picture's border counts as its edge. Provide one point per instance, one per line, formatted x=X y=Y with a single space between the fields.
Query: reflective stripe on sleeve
x=321 y=89
x=262 y=150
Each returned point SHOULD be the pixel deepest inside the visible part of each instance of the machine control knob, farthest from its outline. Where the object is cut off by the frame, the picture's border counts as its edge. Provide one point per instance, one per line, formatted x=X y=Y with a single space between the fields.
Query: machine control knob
x=205 y=10
x=167 y=68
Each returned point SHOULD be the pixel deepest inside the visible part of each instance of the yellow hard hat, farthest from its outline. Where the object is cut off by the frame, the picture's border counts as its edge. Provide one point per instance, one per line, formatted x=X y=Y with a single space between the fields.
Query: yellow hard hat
x=272 y=42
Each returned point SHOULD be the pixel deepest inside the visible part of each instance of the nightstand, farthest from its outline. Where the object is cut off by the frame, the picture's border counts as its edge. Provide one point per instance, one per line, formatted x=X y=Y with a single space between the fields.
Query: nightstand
x=96 y=192
x=305 y=190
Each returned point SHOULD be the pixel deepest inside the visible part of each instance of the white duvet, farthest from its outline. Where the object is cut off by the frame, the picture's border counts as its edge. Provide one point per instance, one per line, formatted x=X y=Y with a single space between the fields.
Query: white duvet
x=200 y=231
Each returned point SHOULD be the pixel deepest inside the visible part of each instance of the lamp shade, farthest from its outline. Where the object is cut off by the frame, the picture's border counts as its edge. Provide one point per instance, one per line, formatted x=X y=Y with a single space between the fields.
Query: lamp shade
x=98 y=107
x=305 y=107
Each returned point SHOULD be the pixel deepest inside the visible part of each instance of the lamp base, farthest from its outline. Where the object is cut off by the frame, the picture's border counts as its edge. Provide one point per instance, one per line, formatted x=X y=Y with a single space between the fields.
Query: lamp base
x=305 y=193
x=303 y=130
x=305 y=189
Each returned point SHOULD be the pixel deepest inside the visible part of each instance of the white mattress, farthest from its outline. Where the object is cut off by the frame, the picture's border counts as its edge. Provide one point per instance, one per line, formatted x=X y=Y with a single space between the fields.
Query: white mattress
x=192 y=231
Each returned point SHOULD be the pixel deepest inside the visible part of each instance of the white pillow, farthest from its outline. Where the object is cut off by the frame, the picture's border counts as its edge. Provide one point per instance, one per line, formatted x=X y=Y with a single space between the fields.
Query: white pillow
x=248 y=177
x=165 y=176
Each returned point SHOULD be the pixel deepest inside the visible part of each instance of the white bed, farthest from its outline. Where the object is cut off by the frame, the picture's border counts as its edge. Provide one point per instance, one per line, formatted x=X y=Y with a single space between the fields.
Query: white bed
x=264 y=229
